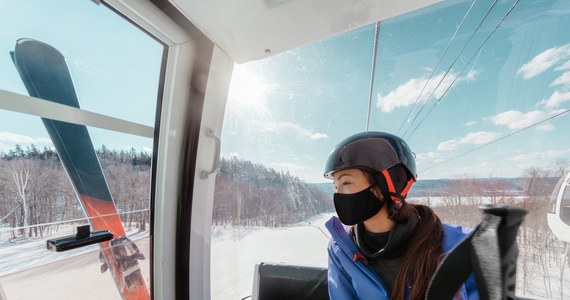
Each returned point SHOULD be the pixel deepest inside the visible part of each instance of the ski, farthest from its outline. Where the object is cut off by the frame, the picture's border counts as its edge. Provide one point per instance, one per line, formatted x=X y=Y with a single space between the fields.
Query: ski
x=45 y=74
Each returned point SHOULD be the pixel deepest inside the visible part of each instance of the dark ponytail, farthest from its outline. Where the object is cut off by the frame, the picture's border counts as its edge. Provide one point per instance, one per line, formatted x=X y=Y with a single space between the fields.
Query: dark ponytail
x=422 y=255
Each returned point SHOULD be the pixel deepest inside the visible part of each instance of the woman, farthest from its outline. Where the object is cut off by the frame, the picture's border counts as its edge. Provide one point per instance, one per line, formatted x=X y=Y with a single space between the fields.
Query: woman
x=392 y=248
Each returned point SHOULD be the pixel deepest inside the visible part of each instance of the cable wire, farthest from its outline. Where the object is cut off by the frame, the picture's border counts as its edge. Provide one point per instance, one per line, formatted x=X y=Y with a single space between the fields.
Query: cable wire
x=498 y=139
x=376 y=34
x=436 y=66
x=465 y=67
x=451 y=66
x=73 y=220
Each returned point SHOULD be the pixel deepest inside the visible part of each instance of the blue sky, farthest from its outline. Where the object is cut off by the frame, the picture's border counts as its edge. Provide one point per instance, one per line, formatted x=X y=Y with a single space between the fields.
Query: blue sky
x=288 y=111
x=114 y=66
x=310 y=98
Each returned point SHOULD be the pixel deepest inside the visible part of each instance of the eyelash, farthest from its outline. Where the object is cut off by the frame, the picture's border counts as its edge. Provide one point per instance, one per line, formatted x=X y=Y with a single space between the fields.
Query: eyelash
x=342 y=184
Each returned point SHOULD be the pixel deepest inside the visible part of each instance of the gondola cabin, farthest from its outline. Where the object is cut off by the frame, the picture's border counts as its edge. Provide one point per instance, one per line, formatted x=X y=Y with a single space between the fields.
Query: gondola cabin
x=559 y=215
x=174 y=149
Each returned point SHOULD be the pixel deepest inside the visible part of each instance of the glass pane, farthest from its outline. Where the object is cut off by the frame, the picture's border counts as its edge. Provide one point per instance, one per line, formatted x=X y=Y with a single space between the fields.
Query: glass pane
x=554 y=195
x=484 y=109
x=39 y=203
x=565 y=206
x=114 y=66
x=115 y=69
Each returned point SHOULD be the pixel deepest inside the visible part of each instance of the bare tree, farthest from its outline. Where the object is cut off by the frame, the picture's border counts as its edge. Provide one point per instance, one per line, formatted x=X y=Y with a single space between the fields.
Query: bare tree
x=562 y=166
x=18 y=178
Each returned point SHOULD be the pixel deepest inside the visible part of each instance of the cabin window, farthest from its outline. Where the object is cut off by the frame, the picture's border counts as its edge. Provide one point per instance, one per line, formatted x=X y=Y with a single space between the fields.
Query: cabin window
x=115 y=69
x=483 y=103
x=554 y=196
x=565 y=206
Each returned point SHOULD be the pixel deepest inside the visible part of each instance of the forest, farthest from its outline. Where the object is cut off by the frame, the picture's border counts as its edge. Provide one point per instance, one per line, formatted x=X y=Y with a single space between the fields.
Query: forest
x=543 y=259
x=249 y=194
x=36 y=194
x=36 y=197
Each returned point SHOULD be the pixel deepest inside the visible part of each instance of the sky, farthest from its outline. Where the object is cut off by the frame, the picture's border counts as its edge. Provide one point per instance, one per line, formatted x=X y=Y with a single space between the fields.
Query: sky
x=469 y=101
x=447 y=87
x=114 y=66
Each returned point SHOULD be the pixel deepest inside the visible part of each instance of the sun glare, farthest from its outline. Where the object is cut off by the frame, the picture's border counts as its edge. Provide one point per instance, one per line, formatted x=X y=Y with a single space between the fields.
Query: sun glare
x=247 y=88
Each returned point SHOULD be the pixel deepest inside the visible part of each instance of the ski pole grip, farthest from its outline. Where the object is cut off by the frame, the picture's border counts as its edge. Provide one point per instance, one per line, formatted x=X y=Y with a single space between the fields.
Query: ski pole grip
x=512 y=217
x=216 y=159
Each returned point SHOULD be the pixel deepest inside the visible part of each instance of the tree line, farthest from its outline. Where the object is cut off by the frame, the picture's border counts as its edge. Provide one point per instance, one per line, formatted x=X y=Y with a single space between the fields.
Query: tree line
x=541 y=254
x=34 y=189
x=249 y=194
x=36 y=194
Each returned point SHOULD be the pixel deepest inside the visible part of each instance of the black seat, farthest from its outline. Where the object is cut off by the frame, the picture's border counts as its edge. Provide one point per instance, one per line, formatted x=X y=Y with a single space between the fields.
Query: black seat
x=279 y=281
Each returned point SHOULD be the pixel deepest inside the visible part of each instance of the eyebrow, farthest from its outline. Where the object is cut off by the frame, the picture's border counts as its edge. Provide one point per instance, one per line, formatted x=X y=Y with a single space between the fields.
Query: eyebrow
x=341 y=176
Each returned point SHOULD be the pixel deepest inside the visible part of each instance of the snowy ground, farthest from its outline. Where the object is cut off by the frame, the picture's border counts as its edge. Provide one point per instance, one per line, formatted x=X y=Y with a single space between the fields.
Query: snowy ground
x=235 y=253
x=29 y=271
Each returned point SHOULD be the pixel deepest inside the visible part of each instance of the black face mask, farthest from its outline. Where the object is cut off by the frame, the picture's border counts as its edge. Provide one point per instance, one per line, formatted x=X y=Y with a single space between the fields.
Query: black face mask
x=358 y=207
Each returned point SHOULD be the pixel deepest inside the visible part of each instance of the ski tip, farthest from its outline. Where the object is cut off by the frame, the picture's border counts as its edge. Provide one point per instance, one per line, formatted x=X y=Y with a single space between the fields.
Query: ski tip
x=33 y=45
x=21 y=41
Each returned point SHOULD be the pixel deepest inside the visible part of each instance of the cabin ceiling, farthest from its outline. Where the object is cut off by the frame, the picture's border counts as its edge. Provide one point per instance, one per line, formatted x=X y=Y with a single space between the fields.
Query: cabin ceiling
x=253 y=29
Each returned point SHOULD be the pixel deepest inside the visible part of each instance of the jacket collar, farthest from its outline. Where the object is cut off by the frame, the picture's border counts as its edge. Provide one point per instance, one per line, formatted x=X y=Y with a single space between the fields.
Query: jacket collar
x=340 y=235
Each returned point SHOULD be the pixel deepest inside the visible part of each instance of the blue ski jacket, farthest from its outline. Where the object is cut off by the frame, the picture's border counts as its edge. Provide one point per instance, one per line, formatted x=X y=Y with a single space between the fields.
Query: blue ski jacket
x=350 y=278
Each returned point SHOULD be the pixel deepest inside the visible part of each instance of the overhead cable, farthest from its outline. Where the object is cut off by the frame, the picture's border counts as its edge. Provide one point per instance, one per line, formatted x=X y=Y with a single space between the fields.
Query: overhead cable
x=374 y=49
x=465 y=67
x=436 y=66
x=451 y=66
x=496 y=140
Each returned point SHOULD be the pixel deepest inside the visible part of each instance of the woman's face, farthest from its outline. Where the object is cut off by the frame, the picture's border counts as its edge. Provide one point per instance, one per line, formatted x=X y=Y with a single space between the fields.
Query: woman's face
x=350 y=181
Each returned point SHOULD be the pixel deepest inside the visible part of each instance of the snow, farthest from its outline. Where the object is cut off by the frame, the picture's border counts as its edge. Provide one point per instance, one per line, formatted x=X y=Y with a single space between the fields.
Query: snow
x=29 y=271
x=235 y=253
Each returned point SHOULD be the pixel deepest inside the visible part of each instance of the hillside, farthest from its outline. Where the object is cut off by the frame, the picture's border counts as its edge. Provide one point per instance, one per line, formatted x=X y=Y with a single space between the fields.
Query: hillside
x=515 y=187
x=249 y=194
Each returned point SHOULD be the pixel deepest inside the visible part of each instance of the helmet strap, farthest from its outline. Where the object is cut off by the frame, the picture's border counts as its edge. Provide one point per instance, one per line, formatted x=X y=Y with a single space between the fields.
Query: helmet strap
x=389 y=192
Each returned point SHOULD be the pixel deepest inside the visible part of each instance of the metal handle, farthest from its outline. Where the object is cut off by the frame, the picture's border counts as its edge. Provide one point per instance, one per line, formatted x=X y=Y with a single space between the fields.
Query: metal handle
x=216 y=159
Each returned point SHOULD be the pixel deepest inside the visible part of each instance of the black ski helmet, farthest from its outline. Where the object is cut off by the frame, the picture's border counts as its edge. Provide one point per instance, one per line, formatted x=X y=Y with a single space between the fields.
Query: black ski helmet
x=383 y=154
x=374 y=151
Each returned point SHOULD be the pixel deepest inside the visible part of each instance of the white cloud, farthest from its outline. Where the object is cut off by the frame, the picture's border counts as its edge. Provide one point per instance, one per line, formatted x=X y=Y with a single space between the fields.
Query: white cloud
x=544 y=61
x=318 y=136
x=514 y=119
x=428 y=157
x=545 y=127
x=234 y=154
x=288 y=167
x=14 y=138
x=563 y=80
x=475 y=138
x=407 y=93
x=537 y=156
x=470 y=123
x=556 y=99
x=296 y=128
x=470 y=76
x=565 y=66
x=147 y=150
